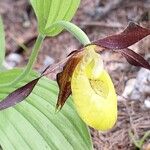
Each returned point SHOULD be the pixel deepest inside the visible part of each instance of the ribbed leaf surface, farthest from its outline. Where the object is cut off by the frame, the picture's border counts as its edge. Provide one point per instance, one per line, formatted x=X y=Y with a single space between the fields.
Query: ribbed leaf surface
x=33 y=123
x=50 y=11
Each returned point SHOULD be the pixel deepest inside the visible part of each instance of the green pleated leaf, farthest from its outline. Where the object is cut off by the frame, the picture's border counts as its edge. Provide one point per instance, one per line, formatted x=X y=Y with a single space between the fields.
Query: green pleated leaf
x=51 y=11
x=2 y=42
x=33 y=123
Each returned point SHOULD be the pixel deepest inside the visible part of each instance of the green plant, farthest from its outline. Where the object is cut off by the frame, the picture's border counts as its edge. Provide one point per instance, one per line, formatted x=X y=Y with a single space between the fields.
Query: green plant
x=33 y=124
x=139 y=143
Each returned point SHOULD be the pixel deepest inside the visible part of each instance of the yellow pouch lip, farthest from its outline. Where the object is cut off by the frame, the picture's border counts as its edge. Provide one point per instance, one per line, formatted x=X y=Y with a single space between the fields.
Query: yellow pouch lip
x=96 y=110
x=91 y=104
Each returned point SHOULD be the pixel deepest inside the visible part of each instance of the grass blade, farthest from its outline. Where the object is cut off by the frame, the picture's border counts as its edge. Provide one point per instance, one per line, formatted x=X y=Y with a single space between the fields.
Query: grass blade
x=2 y=42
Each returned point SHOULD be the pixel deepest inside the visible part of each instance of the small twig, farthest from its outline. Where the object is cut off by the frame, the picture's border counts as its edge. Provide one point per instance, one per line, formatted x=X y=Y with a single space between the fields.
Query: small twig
x=21 y=45
x=102 y=24
x=21 y=42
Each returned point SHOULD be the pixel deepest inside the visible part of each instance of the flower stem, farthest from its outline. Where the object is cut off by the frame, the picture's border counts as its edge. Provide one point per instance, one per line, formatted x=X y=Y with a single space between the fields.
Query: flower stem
x=30 y=64
x=74 y=30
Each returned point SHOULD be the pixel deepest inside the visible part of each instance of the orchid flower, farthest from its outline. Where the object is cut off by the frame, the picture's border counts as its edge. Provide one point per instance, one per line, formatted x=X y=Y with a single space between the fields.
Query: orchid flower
x=85 y=78
x=93 y=92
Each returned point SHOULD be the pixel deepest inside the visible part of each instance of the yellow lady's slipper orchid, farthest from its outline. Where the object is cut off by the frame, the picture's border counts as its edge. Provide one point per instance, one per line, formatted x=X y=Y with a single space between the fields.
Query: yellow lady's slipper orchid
x=84 y=77
x=93 y=92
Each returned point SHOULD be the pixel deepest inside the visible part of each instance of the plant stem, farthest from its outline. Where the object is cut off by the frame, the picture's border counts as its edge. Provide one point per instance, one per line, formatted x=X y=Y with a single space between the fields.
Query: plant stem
x=74 y=30
x=135 y=142
x=146 y=135
x=30 y=64
x=2 y=43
